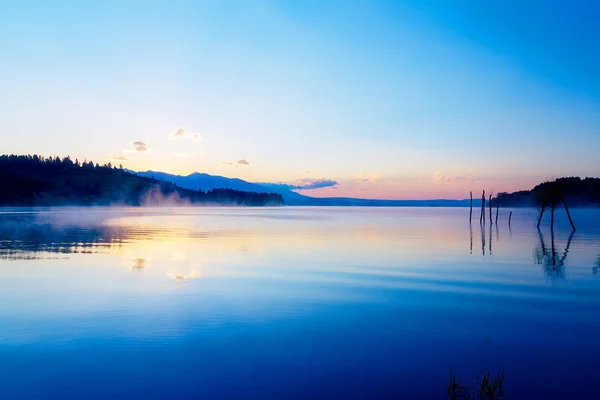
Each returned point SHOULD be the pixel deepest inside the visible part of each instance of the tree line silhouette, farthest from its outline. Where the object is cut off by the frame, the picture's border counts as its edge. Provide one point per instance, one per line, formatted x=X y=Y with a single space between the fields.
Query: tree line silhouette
x=34 y=180
x=576 y=191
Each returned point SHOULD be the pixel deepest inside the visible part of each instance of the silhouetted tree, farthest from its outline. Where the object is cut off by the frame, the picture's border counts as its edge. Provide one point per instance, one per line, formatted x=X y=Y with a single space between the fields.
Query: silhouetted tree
x=576 y=191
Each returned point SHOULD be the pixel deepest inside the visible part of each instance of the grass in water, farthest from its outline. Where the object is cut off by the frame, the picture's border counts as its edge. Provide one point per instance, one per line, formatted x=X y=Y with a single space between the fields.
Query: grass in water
x=486 y=387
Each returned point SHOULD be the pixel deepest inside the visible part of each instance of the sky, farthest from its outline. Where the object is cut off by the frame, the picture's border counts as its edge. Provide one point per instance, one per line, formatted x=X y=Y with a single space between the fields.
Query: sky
x=372 y=99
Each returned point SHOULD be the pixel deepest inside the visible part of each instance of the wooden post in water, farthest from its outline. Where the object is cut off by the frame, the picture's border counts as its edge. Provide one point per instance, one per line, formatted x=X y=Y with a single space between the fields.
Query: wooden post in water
x=471 y=209
x=496 y=213
x=490 y=204
x=482 y=216
x=541 y=213
x=568 y=213
x=509 y=218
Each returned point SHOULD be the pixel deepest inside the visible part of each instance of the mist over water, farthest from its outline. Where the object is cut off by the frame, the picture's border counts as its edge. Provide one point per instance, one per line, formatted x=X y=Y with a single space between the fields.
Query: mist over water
x=294 y=302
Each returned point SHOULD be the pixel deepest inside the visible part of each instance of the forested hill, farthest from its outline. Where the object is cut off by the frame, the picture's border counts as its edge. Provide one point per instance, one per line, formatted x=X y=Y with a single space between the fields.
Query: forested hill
x=576 y=191
x=35 y=180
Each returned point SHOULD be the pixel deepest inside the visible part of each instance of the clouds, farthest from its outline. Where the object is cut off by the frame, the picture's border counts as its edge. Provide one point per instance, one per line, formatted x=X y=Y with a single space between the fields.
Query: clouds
x=239 y=163
x=309 y=184
x=364 y=178
x=121 y=158
x=182 y=133
x=180 y=154
x=439 y=177
x=140 y=146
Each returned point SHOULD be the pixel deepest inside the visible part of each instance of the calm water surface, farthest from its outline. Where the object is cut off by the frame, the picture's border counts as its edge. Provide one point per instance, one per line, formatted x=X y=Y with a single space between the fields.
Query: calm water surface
x=285 y=303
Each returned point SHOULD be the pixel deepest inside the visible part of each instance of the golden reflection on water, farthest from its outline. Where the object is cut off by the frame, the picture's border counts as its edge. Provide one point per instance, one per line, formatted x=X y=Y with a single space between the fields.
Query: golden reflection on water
x=206 y=243
x=139 y=264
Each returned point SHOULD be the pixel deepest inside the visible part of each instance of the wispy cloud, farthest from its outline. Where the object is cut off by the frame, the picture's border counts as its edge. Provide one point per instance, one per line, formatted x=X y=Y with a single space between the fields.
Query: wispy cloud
x=182 y=133
x=439 y=177
x=140 y=146
x=180 y=154
x=242 y=163
x=122 y=158
x=364 y=178
x=309 y=184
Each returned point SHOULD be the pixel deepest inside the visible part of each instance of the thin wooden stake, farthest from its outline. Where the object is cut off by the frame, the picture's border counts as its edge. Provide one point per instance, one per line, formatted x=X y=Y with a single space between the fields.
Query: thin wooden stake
x=490 y=205
x=482 y=216
x=541 y=213
x=568 y=213
x=509 y=218
x=496 y=213
x=471 y=208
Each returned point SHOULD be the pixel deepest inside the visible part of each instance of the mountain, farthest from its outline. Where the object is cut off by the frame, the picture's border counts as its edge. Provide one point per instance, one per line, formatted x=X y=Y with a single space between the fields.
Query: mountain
x=203 y=181
x=35 y=180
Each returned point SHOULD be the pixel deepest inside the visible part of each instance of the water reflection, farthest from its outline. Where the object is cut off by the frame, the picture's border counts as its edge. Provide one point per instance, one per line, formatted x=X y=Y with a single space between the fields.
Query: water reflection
x=548 y=250
x=32 y=236
x=471 y=237
x=482 y=241
x=485 y=240
x=139 y=264
x=354 y=240
x=296 y=291
x=490 y=241
x=549 y=258
x=29 y=237
x=191 y=274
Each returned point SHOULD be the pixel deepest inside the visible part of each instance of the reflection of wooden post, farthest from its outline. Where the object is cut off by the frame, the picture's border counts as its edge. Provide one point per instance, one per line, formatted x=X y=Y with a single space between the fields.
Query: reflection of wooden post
x=496 y=213
x=490 y=251
x=564 y=257
x=482 y=216
x=482 y=240
x=568 y=213
x=552 y=207
x=509 y=218
x=490 y=205
x=471 y=209
x=471 y=235
x=553 y=248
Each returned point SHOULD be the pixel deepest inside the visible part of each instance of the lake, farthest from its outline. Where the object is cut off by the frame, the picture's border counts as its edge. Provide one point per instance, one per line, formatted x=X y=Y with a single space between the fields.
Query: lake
x=295 y=303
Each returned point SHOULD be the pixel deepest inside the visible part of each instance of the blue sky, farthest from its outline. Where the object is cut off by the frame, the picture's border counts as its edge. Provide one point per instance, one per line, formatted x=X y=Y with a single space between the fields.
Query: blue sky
x=390 y=99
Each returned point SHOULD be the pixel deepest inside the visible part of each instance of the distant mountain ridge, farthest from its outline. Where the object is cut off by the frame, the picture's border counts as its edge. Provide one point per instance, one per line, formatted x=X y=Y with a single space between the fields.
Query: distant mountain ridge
x=33 y=180
x=203 y=181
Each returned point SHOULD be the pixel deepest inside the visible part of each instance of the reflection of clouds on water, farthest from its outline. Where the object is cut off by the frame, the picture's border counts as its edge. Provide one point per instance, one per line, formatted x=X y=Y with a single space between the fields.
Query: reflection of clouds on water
x=597 y=266
x=192 y=273
x=179 y=262
x=139 y=264
x=137 y=260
